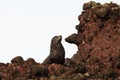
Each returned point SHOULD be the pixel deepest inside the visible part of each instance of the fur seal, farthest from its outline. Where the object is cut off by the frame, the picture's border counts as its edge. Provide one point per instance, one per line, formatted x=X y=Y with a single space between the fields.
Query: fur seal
x=57 y=52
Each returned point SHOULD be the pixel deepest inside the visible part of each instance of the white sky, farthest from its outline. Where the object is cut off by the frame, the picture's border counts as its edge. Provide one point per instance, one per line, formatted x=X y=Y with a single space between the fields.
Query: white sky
x=27 y=26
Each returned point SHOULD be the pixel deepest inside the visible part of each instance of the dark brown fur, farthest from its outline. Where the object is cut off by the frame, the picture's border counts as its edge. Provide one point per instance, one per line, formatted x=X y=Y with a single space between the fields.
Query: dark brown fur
x=57 y=52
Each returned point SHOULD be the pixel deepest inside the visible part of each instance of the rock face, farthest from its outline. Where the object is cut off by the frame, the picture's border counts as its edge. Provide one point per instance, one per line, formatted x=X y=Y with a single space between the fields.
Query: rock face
x=100 y=46
x=98 y=55
x=100 y=25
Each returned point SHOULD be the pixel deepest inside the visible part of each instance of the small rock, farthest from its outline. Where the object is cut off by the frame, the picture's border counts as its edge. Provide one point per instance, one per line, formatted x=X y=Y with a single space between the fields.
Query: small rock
x=69 y=62
x=30 y=61
x=57 y=69
x=87 y=74
x=101 y=12
x=17 y=60
x=90 y=5
x=2 y=64
x=39 y=70
x=20 y=70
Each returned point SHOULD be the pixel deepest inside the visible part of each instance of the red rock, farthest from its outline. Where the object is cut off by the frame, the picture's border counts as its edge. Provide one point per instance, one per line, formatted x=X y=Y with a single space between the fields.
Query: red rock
x=57 y=69
x=17 y=60
x=97 y=57
x=39 y=71
x=20 y=70
x=100 y=47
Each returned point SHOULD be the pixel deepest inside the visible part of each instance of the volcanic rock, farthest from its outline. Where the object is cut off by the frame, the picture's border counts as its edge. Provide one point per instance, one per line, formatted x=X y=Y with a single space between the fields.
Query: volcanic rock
x=99 y=50
x=102 y=35
x=17 y=60
x=75 y=39
x=39 y=70
x=57 y=69
x=97 y=57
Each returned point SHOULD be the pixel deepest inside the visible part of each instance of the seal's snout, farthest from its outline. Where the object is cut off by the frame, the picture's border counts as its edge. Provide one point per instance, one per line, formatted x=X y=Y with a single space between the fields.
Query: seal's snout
x=60 y=37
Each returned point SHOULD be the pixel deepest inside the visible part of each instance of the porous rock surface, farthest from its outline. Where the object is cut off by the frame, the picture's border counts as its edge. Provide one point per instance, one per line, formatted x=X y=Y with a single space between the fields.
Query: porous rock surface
x=98 y=55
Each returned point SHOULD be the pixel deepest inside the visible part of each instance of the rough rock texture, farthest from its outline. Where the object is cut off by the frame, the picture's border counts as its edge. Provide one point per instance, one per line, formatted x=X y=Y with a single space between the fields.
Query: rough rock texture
x=100 y=25
x=99 y=49
x=98 y=55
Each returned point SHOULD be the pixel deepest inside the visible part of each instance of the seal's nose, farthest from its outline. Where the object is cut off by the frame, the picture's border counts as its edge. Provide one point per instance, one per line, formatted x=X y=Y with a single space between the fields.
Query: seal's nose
x=60 y=37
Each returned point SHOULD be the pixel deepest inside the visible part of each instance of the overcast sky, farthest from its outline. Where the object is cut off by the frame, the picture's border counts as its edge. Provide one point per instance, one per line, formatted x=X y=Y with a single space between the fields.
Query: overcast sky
x=27 y=26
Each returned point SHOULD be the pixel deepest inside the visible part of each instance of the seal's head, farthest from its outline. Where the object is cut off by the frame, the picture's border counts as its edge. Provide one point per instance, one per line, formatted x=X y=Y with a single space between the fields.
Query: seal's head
x=56 y=39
